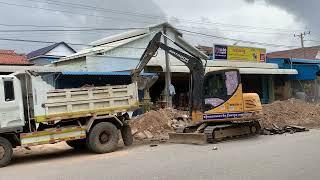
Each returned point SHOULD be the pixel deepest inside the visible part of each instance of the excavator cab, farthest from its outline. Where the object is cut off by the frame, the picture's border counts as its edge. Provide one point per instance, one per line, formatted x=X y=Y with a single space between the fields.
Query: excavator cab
x=223 y=99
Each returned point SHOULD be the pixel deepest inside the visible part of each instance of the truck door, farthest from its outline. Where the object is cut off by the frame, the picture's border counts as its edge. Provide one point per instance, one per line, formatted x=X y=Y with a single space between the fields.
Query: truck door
x=11 y=108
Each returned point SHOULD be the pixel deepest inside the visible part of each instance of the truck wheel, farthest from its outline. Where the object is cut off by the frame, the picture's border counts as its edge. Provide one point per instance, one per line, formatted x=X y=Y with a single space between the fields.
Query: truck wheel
x=77 y=144
x=103 y=138
x=126 y=135
x=5 y=152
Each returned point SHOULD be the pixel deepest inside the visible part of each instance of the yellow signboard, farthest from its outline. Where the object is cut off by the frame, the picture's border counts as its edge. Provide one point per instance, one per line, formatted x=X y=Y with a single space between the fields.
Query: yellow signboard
x=246 y=54
x=239 y=53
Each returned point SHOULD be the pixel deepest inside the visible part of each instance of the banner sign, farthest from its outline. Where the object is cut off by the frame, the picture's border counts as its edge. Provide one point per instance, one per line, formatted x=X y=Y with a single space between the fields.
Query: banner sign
x=239 y=53
x=224 y=116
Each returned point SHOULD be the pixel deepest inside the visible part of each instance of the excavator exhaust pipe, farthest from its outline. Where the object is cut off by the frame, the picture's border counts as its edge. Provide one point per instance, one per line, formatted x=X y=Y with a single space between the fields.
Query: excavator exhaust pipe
x=188 y=138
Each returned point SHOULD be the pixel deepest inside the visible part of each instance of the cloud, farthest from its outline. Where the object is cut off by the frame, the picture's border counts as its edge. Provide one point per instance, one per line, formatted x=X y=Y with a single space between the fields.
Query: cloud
x=108 y=14
x=306 y=12
x=220 y=18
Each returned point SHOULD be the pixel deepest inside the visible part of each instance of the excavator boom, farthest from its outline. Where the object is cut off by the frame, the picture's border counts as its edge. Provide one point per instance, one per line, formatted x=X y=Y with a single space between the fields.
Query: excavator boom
x=193 y=62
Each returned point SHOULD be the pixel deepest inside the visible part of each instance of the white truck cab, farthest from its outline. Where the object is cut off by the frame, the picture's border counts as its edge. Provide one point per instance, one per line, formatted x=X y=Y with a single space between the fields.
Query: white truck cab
x=11 y=104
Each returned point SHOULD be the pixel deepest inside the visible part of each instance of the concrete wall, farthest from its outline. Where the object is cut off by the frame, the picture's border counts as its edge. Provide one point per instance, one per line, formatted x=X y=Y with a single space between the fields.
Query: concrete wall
x=108 y=63
x=78 y=64
x=42 y=61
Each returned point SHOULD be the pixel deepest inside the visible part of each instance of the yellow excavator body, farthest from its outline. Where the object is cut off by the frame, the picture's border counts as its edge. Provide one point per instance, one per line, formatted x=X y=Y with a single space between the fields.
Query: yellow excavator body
x=233 y=114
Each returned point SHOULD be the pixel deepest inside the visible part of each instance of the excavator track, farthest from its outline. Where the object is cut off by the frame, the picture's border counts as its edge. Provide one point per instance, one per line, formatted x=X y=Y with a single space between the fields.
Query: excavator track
x=216 y=133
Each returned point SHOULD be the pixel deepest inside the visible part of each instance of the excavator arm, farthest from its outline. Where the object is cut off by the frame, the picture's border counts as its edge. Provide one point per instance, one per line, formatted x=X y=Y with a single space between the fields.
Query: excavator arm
x=193 y=62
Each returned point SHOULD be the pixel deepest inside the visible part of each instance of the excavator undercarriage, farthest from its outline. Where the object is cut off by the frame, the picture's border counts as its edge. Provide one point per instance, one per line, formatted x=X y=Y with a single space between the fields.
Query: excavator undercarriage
x=214 y=132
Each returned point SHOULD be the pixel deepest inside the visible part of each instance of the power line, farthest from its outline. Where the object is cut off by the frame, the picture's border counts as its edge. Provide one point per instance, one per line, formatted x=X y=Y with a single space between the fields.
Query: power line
x=76 y=44
x=153 y=16
x=99 y=9
x=45 y=26
x=69 y=12
x=238 y=40
x=187 y=31
x=70 y=30
x=79 y=29
x=38 y=41
x=230 y=30
x=146 y=15
x=311 y=40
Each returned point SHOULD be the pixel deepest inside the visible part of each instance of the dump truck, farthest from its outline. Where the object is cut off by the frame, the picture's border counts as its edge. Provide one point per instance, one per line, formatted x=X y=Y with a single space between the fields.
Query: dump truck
x=33 y=113
x=218 y=107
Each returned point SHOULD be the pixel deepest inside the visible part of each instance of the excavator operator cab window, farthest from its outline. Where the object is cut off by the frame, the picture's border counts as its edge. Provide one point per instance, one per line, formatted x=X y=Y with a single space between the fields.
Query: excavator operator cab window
x=219 y=87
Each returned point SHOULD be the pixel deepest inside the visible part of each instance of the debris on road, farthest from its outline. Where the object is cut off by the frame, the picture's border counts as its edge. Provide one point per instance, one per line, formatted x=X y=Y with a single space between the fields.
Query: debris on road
x=215 y=148
x=155 y=125
x=286 y=129
x=290 y=113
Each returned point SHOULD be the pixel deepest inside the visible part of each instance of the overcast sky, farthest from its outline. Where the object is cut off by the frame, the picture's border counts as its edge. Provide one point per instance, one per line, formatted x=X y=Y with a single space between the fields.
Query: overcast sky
x=265 y=21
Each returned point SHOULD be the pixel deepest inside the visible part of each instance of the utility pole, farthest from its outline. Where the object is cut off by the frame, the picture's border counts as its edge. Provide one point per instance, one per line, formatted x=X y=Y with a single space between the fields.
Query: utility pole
x=301 y=36
x=168 y=98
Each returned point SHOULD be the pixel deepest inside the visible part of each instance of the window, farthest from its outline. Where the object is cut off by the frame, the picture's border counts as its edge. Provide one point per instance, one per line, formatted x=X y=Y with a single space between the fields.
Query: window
x=215 y=91
x=214 y=86
x=8 y=90
x=219 y=87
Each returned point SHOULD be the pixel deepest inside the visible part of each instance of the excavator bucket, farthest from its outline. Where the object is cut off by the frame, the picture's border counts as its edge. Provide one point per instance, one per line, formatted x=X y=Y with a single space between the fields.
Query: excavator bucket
x=188 y=138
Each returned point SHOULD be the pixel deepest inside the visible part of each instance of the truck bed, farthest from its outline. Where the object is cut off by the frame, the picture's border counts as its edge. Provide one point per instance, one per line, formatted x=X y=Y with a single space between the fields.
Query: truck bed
x=89 y=101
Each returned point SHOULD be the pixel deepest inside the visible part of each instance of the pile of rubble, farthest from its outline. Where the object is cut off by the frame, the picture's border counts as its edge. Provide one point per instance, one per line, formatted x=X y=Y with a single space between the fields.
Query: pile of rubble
x=155 y=125
x=291 y=115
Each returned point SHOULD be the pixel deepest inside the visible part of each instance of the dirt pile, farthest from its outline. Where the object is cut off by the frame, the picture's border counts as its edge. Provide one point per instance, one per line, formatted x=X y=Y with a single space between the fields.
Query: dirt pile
x=291 y=112
x=156 y=125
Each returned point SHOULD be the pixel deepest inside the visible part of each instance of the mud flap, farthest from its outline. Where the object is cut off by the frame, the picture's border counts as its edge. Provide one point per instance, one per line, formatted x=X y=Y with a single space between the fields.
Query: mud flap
x=188 y=138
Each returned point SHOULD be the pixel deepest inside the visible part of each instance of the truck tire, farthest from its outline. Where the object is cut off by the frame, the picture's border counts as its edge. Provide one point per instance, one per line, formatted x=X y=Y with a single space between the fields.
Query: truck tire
x=5 y=152
x=103 y=138
x=126 y=135
x=77 y=144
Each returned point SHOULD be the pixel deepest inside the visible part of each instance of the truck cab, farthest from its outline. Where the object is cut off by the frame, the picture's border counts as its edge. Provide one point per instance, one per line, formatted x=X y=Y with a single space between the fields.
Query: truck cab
x=11 y=104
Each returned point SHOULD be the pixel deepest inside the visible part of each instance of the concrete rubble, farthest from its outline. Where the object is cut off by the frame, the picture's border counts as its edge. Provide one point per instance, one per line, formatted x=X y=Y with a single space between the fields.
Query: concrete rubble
x=290 y=116
x=155 y=125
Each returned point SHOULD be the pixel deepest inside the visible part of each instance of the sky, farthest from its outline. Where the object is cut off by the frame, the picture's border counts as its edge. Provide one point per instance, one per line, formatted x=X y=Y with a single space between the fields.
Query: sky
x=269 y=24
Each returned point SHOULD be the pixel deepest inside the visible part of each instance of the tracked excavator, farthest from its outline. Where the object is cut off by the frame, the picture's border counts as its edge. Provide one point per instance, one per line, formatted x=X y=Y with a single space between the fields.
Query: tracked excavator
x=218 y=107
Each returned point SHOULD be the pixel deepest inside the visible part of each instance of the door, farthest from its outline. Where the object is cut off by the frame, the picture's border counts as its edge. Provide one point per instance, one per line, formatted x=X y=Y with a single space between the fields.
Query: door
x=11 y=108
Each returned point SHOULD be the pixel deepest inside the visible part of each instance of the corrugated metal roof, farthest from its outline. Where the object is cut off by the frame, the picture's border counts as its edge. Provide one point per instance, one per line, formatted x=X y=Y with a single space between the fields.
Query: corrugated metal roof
x=118 y=40
x=306 y=61
x=242 y=70
x=46 y=49
x=99 y=49
x=122 y=73
x=300 y=53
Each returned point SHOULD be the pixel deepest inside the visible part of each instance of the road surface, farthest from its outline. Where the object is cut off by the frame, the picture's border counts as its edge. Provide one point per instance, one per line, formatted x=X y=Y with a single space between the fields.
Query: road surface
x=293 y=157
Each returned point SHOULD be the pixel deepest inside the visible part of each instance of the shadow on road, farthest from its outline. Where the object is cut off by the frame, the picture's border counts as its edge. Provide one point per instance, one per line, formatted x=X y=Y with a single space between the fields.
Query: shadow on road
x=29 y=157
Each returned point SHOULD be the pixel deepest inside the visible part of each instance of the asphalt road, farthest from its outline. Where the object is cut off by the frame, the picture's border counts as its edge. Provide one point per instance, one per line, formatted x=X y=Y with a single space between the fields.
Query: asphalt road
x=293 y=157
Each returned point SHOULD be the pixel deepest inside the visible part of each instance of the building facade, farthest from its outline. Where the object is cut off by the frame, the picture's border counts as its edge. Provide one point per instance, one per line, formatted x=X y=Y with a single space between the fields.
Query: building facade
x=46 y=55
x=122 y=52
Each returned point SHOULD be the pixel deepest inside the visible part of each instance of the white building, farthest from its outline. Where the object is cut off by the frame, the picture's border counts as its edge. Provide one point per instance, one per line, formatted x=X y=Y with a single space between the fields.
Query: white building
x=122 y=52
